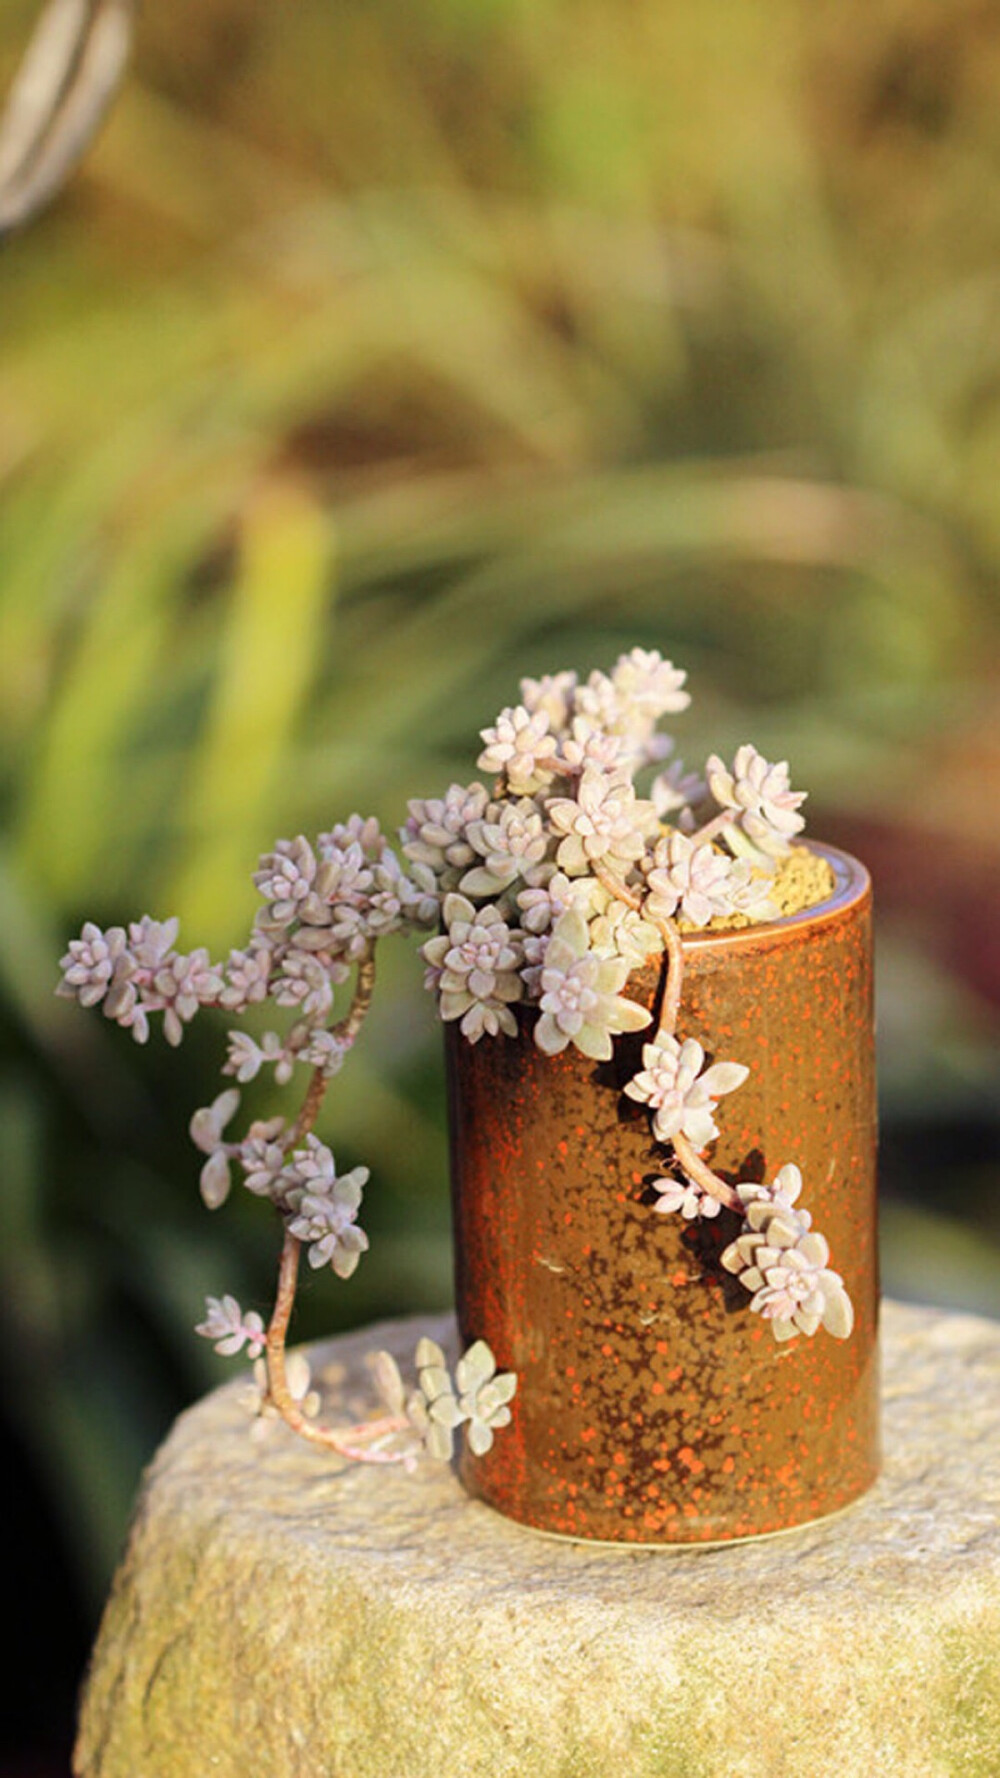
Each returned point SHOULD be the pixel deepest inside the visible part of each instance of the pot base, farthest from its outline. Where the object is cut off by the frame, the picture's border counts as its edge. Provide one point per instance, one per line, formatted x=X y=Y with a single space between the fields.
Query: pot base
x=686 y=1546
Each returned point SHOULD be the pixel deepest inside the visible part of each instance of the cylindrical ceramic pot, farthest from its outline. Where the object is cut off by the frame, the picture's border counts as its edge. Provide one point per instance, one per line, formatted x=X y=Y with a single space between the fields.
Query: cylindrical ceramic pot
x=653 y=1406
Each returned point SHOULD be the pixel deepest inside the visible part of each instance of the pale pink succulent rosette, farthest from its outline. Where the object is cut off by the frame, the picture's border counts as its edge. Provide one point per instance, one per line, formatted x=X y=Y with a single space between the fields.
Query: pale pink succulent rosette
x=783 y=1260
x=681 y=1092
x=581 y=1000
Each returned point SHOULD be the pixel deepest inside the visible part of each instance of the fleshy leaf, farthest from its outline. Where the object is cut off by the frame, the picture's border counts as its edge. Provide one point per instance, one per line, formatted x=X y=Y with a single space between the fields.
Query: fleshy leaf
x=838 y=1316
x=388 y=1381
x=474 y=1368
x=501 y=1389
x=429 y=1353
x=439 y=1442
x=434 y=1381
x=815 y=1248
x=216 y=1179
x=445 y=1411
x=480 y=1438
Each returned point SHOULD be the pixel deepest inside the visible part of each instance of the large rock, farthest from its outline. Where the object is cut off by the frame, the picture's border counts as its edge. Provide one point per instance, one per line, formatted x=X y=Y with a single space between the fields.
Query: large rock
x=278 y=1614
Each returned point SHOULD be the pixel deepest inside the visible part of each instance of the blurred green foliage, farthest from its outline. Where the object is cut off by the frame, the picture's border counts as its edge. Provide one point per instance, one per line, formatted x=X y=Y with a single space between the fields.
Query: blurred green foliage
x=381 y=354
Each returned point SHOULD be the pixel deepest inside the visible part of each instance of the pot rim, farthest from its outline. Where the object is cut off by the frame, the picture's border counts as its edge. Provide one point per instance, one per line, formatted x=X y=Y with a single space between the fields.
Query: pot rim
x=852 y=886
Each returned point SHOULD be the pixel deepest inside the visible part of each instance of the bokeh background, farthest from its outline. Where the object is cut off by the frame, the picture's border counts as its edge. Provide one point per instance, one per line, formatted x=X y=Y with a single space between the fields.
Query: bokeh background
x=379 y=354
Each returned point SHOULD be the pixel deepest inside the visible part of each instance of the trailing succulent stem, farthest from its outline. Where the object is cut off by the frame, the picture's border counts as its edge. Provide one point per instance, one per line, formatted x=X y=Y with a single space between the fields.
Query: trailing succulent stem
x=544 y=892
x=326 y=907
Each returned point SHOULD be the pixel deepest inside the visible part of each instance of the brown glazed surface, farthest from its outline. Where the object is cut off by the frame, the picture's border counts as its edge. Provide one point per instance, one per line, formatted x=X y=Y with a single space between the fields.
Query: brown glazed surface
x=653 y=1406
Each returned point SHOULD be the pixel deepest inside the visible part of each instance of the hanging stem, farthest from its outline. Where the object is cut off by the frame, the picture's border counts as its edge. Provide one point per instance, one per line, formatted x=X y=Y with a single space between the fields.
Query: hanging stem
x=675 y=976
x=347 y=1441
x=672 y=945
x=345 y=1032
x=696 y=1169
x=344 y=1441
x=310 y=1111
x=712 y=828
x=702 y=1174
x=616 y=887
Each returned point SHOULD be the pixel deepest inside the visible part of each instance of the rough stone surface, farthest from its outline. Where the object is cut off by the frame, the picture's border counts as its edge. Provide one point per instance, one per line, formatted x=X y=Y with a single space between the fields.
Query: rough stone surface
x=278 y=1615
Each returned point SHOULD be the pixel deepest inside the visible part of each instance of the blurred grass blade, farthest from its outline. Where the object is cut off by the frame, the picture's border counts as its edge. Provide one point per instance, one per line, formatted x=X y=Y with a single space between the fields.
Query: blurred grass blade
x=63 y=829
x=270 y=652
x=71 y=797
x=29 y=952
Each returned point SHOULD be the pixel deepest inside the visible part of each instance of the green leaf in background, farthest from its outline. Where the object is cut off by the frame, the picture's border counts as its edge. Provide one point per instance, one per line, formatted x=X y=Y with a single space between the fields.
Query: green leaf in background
x=276 y=632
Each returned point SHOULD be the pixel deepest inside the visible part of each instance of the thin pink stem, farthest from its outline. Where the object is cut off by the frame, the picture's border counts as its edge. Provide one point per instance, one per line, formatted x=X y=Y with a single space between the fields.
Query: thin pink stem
x=696 y=1169
x=342 y=1440
x=382 y=1429
x=345 y=1032
x=675 y=976
x=617 y=887
x=672 y=944
x=364 y=987
x=713 y=827
x=701 y=1173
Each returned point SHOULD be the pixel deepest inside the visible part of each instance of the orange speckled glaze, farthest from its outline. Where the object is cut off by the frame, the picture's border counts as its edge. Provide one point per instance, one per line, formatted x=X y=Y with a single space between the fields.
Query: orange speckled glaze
x=653 y=1406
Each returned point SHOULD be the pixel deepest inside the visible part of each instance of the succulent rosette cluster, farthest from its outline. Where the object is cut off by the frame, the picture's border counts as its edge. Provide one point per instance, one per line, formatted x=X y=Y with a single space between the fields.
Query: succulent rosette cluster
x=326 y=903
x=587 y=851
x=563 y=829
x=783 y=1260
x=591 y=851
x=680 y=1091
x=475 y=1399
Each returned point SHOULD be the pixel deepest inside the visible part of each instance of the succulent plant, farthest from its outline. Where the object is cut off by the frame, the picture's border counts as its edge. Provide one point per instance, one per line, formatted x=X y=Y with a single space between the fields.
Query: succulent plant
x=520 y=748
x=538 y=894
x=581 y=1001
x=477 y=1398
x=476 y=965
x=230 y=1330
x=680 y=1090
x=484 y=1396
x=782 y=1260
x=760 y=798
x=323 y=1206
